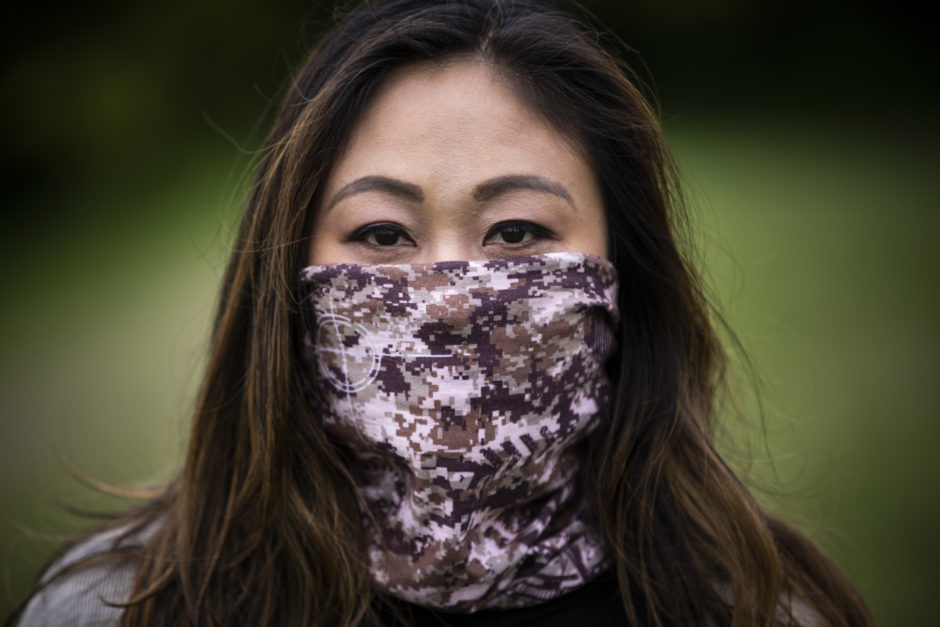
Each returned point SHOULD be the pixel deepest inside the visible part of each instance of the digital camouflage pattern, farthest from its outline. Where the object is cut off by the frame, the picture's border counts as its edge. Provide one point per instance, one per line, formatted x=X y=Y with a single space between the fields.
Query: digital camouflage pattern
x=463 y=389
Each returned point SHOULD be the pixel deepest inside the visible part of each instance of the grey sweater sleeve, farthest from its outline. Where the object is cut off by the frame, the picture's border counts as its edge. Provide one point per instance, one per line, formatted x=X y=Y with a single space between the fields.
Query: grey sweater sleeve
x=81 y=597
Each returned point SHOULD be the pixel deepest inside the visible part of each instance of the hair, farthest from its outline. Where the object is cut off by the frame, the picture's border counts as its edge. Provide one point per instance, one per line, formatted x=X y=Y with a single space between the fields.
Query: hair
x=262 y=526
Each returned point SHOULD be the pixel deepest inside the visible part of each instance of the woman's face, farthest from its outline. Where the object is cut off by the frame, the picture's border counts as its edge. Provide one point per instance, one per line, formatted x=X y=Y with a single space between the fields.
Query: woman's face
x=448 y=164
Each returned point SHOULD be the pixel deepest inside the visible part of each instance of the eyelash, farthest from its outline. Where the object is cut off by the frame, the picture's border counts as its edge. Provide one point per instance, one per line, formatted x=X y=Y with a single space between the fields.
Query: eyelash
x=538 y=231
x=390 y=228
x=362 y=233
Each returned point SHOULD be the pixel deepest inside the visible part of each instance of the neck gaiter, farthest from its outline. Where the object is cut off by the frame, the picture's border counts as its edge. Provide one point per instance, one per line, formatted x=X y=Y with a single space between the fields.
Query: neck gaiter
x=462 y=390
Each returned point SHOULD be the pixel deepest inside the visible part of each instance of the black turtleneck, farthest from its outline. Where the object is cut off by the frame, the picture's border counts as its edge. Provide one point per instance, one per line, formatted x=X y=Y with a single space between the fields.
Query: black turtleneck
x=595 y=605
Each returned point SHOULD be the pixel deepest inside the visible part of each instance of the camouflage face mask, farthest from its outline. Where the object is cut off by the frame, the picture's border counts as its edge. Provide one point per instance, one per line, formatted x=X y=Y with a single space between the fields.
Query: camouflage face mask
x=462 y=390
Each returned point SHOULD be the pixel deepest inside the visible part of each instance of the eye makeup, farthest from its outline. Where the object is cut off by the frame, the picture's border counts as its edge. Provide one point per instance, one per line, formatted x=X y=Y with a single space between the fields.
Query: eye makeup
x=382 y=235
x=517 y=232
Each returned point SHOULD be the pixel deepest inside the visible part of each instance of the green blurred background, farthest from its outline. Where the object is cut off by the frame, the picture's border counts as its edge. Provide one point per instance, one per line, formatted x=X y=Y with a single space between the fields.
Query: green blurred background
x=807 y=135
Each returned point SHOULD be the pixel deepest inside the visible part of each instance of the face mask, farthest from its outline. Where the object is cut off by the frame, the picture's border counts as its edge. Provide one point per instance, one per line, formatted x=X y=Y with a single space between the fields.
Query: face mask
x=463 y=390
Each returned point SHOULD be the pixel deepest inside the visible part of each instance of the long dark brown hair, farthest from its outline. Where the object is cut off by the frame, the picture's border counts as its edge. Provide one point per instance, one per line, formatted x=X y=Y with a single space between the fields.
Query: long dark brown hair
x=262 y=527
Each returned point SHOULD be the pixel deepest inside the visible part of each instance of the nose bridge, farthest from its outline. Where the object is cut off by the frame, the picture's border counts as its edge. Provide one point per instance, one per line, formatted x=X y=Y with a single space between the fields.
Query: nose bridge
x=449 y=250
x=450 y=236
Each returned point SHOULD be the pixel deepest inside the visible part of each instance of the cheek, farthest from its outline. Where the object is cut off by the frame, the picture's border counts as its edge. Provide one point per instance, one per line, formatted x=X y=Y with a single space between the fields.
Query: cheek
x=597 y=243
x=324 y=242
x=588 y=237
x=318 y=252
x=590 y=228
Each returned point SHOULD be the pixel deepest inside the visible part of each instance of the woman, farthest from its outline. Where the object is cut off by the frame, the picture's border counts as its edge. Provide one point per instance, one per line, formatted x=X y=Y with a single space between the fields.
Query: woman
x=461 y=372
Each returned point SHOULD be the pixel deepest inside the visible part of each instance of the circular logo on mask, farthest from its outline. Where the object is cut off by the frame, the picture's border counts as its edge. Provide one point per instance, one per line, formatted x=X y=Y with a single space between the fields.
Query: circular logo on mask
x=345 y=356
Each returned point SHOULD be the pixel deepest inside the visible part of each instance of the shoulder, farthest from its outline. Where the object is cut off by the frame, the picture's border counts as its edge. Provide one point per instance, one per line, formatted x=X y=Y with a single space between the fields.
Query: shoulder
x=73 y=593
x=791 y=610
x=800 y=613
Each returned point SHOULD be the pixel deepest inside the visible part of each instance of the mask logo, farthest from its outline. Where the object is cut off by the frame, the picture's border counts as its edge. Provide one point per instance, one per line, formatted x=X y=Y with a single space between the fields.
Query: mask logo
x=352 y=346
x=339 y=336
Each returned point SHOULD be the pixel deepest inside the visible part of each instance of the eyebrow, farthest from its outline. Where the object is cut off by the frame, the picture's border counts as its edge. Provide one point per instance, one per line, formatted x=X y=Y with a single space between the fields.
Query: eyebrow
x=378 y=184
x=504 y=184
x=483 y=192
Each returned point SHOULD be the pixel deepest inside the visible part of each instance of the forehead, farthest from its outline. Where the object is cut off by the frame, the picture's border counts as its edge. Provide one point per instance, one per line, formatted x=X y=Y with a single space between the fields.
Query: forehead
x=460 y=118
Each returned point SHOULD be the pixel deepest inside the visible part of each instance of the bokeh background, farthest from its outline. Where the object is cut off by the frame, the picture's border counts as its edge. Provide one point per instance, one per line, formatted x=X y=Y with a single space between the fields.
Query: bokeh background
x=807 y=133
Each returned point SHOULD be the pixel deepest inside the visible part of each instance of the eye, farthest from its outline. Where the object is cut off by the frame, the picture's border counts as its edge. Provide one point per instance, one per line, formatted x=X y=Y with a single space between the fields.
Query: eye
x=383 y=235
x=516 y=233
